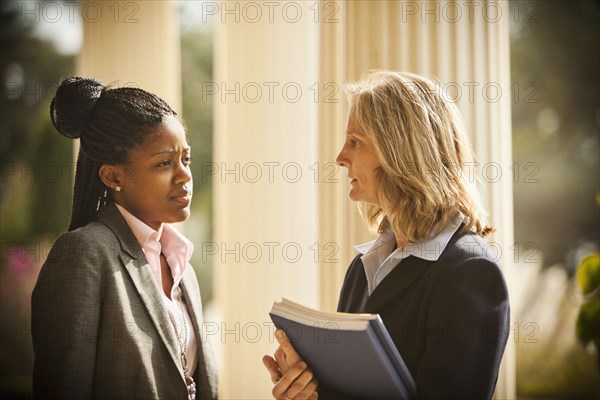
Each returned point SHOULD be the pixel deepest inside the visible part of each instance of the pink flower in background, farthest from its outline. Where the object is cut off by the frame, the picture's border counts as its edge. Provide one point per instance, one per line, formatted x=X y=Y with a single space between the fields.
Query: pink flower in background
x=20 y=267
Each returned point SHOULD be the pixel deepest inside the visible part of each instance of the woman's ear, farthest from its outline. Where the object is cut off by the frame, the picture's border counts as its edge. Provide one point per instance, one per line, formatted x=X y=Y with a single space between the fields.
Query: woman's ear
x=109 y=174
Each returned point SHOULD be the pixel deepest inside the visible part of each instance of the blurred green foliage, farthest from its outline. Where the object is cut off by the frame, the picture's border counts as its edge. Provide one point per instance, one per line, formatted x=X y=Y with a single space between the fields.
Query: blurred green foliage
x=37 y=164
x=588 y=320
x=588 y=274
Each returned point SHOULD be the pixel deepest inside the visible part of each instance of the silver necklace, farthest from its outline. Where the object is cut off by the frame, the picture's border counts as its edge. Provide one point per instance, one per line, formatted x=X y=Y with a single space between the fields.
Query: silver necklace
x=189 y=381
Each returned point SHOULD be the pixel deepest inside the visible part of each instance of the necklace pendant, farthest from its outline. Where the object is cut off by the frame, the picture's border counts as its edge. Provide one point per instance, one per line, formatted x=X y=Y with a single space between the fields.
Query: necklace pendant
x=191 y=386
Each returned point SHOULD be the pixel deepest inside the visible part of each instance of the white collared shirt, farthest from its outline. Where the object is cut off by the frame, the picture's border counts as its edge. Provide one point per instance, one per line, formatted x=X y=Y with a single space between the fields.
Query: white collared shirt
x=379 y=257
x=178 y=251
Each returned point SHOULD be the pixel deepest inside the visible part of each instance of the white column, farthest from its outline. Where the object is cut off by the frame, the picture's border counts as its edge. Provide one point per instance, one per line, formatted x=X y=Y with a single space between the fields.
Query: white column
x=133 y=43
x=333 y=207
x=265 y=198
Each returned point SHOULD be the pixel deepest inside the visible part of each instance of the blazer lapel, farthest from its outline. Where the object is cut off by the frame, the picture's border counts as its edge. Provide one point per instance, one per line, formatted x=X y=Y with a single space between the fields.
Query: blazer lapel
x=193 y=303
x=206 y=383
x=133 y=258
x=399 y=279
x=152 y=298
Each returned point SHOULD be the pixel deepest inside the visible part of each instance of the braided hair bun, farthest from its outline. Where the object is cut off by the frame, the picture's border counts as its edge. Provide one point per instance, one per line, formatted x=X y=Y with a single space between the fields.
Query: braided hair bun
x=73 y=104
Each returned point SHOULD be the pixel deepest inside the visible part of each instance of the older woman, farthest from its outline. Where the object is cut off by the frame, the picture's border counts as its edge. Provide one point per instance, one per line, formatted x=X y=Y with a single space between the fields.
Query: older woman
x=441 y=296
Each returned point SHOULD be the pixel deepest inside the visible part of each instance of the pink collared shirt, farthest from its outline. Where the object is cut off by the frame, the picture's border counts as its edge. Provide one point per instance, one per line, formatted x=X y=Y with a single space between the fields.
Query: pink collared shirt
x=178 y=251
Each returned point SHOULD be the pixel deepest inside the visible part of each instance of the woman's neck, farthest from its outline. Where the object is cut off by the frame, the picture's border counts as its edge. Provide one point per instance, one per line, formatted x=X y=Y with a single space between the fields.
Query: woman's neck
x=400 y=240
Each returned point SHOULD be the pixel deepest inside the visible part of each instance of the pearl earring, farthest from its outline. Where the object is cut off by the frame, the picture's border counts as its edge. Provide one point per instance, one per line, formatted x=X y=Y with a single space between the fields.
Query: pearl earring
x=118 y=188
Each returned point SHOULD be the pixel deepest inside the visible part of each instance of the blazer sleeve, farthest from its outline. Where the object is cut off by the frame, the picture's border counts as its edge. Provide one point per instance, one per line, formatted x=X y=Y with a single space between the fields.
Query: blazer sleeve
x=466 y=333
x=65 y=310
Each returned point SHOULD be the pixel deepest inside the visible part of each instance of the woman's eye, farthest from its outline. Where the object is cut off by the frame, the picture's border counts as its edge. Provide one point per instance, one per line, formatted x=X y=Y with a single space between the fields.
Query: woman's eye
x=186 y=160
x=353 y=142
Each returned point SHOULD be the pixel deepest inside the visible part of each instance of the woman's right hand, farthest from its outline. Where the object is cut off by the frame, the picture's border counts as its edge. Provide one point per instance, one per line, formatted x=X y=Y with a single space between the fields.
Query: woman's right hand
x=291 y=376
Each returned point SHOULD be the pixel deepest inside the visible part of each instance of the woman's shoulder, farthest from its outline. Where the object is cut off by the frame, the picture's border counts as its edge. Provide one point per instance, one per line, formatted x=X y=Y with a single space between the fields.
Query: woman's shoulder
x=77 y=259
x=89 y=241
x=95 y=233
x=470 y=258
x=469 y=247
x=356 y=265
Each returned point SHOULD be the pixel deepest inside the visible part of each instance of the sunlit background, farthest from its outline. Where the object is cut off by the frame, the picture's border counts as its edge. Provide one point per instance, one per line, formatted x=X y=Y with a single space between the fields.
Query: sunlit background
x=555 y=105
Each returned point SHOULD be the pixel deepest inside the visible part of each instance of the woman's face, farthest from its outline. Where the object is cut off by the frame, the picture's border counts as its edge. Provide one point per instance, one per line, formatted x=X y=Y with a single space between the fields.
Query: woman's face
x=156 y=183
x=358 y=155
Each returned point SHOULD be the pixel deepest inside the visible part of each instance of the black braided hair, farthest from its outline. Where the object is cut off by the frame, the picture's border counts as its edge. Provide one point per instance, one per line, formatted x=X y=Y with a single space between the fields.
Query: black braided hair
x=109 y=123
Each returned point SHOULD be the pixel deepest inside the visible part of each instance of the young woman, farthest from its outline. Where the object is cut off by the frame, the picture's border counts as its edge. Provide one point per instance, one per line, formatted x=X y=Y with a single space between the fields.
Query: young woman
x=440 y=294
x=116 y=310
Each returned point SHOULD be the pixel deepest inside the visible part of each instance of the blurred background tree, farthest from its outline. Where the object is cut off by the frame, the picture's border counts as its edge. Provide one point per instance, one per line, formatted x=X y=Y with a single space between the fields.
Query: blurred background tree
x=555 y=125
x=555 y=68
x=35 y=184
x=33 y=163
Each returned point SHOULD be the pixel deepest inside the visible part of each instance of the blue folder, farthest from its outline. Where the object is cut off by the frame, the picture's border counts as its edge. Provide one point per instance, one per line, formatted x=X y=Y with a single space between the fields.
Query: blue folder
x=349 y=353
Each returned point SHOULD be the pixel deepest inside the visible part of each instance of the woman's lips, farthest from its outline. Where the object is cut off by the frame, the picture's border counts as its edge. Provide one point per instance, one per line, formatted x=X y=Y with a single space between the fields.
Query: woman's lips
x=184 y=199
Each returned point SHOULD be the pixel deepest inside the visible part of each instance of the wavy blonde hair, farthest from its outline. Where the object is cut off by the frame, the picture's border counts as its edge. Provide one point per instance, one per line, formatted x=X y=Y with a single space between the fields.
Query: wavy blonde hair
x=423 y=150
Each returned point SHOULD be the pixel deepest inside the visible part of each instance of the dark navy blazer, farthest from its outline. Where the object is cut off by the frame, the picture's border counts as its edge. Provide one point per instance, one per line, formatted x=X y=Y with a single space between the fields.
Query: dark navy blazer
x=448 y=318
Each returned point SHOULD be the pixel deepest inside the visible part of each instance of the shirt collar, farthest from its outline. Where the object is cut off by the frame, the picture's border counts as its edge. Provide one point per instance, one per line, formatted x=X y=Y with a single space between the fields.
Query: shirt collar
x=429 y=249
x=175 y=243
x=142 y=232
x=382 y=240
x=172 y=242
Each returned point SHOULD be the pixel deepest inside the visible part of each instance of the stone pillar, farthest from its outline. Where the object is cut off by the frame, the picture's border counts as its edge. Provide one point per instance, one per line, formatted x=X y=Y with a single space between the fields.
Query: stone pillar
x=265 y=198
x=133 y=43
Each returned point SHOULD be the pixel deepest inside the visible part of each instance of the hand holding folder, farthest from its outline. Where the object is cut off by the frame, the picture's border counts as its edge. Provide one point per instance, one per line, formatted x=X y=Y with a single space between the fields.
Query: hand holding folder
x=289 y=373
x=349 y=353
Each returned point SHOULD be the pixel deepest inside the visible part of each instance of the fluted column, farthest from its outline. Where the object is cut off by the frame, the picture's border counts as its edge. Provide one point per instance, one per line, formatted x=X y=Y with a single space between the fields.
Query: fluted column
x=333 y=207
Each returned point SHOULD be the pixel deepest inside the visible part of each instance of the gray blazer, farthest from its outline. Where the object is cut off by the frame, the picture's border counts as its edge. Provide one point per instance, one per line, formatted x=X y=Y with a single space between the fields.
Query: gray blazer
x=99 y=326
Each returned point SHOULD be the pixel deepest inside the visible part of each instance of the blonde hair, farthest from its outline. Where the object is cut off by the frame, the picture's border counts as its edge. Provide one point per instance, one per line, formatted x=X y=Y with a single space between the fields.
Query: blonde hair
x=423 y=150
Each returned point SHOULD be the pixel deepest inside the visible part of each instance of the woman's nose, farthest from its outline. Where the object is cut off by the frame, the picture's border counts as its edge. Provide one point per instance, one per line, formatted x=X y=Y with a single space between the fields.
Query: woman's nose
x=342 y=160
x=185 y=174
